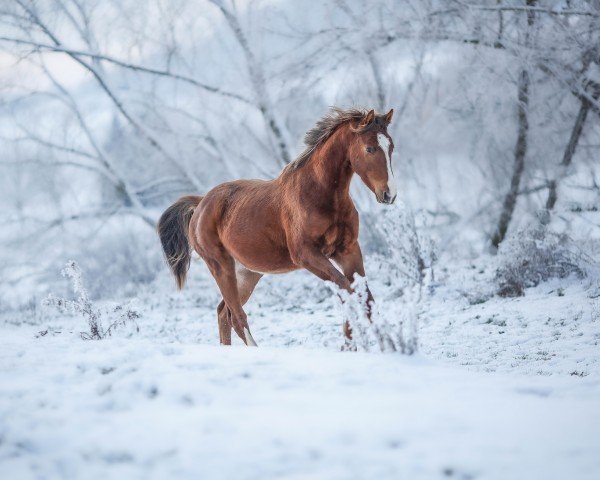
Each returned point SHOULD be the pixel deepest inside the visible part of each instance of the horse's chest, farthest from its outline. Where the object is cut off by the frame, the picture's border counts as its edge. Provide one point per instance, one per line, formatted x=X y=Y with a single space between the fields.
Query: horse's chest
x=336 y=237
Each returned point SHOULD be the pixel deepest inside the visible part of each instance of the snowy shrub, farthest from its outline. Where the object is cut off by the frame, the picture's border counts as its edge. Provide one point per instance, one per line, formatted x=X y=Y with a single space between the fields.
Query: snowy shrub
x=409 y=258
x=535 y=254
x=409 y=253
x=397 y=335
x=82 y=305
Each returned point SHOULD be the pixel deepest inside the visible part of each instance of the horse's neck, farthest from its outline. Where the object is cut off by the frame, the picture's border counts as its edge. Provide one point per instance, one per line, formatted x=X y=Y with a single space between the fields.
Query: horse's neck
x=329 y=167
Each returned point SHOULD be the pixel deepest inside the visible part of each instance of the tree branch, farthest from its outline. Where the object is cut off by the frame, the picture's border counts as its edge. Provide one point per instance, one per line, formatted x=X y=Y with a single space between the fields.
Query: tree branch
x=148 y=137
x=127 y=65
x=527 y=8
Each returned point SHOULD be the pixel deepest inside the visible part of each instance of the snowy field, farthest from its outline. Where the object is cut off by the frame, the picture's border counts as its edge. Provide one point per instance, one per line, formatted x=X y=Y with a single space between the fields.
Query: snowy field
x=488 y=262
x=507 y=388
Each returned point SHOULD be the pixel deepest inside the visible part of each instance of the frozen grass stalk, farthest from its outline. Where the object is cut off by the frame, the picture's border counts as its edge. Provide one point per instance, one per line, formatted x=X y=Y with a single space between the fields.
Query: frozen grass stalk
x=84 y=307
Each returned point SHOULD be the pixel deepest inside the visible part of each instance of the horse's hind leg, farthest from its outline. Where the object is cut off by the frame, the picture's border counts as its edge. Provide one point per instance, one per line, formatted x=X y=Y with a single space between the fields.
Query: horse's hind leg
x=224 y=324
x=246 y=282
x=222 y=266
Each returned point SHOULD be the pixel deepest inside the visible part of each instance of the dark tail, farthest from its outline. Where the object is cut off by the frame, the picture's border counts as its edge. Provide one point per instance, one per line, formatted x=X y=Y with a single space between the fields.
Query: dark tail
x=172 y=230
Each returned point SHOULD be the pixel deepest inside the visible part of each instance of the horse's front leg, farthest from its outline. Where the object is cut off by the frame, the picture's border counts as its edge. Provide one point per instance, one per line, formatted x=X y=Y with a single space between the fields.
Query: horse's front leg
x=312 y=259
x=351 y=263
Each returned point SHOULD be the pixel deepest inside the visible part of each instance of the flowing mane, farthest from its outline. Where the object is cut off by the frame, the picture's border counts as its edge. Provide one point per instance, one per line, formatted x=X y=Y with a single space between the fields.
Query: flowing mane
x=323 y=129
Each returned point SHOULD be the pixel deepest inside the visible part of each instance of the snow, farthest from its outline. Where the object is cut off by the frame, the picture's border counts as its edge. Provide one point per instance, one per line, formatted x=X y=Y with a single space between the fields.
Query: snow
x=508 y=388
x=553 y=329
x=132 y=409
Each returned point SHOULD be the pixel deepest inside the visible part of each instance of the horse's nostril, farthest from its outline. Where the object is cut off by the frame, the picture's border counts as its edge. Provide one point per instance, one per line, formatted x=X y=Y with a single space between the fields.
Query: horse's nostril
x=386 y=197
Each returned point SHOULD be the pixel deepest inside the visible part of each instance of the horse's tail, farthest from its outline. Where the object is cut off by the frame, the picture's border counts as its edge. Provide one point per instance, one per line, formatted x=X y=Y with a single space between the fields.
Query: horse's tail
x=173 y=232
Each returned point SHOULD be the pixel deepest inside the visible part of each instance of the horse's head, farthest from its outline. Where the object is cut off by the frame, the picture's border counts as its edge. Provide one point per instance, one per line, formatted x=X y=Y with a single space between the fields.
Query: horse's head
x=370 y=154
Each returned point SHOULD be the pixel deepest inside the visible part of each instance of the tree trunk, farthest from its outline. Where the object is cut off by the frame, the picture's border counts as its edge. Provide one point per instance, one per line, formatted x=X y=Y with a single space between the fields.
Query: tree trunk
x=570 y=150
x=510 y=200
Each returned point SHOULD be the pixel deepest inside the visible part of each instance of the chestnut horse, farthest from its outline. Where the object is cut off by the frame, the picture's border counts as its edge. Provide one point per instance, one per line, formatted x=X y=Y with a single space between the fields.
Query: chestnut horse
x=304 y=218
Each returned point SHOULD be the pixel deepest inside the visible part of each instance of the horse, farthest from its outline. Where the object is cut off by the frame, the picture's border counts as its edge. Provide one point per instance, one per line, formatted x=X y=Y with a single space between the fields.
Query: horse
x=303 y=219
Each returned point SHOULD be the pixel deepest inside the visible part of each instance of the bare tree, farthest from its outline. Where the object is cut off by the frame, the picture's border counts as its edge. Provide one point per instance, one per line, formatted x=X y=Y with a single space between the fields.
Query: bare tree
x=258 y=81
x=571 y=145
x=510 y=199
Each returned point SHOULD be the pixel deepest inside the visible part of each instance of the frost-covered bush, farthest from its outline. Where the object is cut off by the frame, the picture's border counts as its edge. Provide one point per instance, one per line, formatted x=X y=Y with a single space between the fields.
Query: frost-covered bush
x=408 y=260
x=384 y=331
x=409 y=253
x=535 y=254
x=120 y=315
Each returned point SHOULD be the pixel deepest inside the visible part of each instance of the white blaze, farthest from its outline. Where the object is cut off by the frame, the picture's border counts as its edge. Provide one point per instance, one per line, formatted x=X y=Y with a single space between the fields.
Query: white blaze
x=384 y=143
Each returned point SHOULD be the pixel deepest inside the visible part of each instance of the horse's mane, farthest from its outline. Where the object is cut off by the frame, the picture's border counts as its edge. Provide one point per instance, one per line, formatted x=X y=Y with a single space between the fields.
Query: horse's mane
x=323 y=129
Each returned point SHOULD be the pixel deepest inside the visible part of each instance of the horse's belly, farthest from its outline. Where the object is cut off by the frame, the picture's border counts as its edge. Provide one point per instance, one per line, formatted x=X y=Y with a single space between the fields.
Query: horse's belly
x=258 y=249
x=263 y=258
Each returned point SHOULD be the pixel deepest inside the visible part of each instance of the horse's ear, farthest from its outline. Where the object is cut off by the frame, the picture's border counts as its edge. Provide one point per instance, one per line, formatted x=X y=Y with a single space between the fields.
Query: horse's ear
x=368 y=119
x=388 y=116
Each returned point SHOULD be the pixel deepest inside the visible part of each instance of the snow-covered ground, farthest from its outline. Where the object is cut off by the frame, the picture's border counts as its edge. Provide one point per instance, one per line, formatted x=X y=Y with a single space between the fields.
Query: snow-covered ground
x=507 y=388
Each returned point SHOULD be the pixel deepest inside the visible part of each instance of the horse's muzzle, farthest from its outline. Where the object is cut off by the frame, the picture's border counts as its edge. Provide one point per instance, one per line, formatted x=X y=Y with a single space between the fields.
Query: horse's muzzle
x=387 y=198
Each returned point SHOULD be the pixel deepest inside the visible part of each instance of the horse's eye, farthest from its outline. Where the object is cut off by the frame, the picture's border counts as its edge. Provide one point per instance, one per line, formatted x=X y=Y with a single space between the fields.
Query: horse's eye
x=370 y=149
